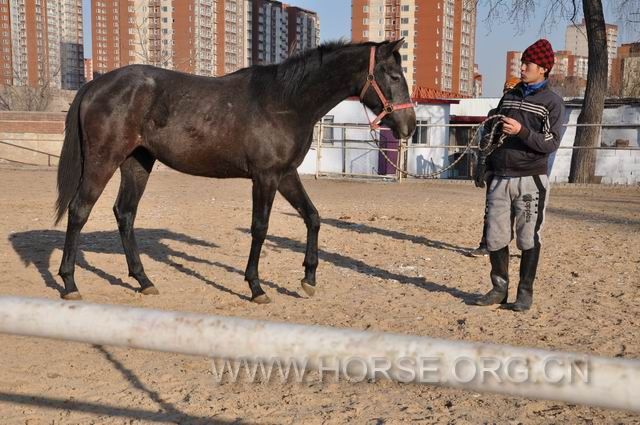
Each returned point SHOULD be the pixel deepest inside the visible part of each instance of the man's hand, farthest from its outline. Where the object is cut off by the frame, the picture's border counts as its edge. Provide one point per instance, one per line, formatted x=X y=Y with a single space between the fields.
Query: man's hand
x=510 y=126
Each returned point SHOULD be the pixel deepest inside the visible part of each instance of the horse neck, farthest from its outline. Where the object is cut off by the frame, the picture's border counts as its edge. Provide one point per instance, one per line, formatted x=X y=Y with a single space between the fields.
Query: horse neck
x=340 y=76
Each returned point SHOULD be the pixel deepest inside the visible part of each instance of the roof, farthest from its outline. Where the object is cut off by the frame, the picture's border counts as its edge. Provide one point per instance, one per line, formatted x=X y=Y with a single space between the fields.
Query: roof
x=420 y=92
x=435 y=101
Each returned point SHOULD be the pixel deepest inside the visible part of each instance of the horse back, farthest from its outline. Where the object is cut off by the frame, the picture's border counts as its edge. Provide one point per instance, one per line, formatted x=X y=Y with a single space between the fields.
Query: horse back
x=214 y=127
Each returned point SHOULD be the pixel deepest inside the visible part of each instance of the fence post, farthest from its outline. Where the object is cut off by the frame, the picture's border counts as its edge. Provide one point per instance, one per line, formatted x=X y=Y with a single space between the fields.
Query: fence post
x=398 y=164
x=319 y=148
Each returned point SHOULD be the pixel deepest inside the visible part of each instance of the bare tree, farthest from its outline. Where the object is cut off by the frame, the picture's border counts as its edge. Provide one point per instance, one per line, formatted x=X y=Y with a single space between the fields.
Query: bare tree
x=568 y=86
x=583 y=160
x=630 y=85
x=24 y=97
x=628 y=15
x=144 y=55
x=156 y=55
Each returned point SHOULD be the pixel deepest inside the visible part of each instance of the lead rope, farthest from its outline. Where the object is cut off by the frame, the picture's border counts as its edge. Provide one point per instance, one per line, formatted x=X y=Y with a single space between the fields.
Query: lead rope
x=485 y=146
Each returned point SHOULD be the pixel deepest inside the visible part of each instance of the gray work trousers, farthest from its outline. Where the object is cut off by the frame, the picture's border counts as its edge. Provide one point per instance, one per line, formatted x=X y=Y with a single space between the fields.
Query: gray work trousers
x=516 y=203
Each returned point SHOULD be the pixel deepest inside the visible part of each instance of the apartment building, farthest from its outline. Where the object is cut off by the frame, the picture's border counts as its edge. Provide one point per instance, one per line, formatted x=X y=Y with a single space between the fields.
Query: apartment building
x=41 y=43
x=439 y=50
x=204 y=37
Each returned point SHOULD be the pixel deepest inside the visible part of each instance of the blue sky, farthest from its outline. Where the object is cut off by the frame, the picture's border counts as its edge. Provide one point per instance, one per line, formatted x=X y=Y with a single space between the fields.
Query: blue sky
x=492 y=42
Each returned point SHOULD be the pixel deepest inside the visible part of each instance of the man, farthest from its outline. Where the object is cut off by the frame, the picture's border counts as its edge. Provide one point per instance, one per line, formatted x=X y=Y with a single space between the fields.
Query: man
x=518 y=187
x=481 y=175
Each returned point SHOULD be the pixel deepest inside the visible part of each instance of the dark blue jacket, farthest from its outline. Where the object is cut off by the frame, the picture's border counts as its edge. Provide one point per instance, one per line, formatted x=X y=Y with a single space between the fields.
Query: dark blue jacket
x=540 y=114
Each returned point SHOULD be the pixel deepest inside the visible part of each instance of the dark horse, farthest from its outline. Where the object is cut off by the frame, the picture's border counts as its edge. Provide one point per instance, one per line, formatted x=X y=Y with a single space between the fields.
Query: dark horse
x=256 y=123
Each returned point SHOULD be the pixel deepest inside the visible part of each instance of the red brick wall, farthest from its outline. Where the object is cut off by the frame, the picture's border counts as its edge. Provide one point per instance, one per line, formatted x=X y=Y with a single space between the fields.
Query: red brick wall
x=32 y=122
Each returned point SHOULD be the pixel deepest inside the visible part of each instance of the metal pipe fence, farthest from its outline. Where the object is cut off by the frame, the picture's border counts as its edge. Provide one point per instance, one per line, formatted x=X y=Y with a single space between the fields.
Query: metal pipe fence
x=516 y=371
x=24 y=148
x=358 y=152
x=351 y=138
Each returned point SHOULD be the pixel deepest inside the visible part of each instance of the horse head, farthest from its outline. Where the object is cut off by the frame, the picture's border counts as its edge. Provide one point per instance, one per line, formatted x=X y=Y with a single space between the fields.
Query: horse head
x=385 y=90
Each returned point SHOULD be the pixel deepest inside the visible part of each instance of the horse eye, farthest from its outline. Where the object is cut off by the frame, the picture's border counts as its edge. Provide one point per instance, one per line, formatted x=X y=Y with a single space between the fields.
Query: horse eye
x=395 y=77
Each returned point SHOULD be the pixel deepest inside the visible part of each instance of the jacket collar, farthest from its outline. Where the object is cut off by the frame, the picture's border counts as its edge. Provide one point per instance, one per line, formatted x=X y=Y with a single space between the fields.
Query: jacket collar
x=528 y=89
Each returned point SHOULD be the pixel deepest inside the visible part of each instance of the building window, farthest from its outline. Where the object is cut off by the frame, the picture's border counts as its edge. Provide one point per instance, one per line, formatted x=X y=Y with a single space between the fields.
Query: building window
x=421 y=135
x=328 y=136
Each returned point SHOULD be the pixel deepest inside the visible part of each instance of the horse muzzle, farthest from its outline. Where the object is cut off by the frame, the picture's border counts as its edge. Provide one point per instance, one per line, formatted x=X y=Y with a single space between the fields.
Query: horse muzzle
x=404 y=123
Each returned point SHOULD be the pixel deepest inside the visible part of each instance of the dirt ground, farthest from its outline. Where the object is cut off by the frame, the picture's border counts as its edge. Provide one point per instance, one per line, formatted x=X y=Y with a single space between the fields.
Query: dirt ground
x=392 y=259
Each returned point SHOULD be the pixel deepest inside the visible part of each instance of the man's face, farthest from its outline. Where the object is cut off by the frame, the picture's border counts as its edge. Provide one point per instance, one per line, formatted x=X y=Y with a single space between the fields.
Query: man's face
x=531 y=73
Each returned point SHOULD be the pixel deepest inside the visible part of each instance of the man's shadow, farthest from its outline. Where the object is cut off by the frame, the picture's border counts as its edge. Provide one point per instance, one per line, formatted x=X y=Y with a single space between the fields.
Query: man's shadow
x=36 y=247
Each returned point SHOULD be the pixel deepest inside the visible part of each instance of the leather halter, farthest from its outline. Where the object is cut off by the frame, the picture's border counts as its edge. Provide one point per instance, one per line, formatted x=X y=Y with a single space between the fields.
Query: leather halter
x=387 y=107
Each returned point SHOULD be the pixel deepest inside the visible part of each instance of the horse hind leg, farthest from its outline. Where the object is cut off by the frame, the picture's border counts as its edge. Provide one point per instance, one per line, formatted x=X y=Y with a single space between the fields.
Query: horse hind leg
x=134 y=171
x=91 y=186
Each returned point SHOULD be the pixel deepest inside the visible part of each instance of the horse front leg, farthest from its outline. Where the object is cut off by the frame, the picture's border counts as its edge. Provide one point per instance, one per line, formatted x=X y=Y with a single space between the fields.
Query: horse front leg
x=293 y=191
x=264 y=190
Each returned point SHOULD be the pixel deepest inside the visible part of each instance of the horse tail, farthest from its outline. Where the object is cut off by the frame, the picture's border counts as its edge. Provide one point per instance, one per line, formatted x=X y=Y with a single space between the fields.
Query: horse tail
x=71 y=162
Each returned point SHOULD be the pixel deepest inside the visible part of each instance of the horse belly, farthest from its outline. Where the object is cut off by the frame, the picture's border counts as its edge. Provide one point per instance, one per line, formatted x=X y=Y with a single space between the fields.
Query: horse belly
x=201 y=159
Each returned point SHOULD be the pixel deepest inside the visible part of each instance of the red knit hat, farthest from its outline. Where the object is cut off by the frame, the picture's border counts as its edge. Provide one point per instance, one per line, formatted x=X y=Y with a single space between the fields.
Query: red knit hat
x=540 y=53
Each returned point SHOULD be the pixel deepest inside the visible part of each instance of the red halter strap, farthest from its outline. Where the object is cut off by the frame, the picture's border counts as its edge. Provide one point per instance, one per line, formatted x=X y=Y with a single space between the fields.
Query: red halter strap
x=387 y=107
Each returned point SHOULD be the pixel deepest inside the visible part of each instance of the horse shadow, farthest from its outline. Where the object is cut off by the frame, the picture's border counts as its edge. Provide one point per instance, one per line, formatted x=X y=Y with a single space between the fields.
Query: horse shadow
x=170 y=413
x=360 y=266
x=128 y=415
x=35 y=247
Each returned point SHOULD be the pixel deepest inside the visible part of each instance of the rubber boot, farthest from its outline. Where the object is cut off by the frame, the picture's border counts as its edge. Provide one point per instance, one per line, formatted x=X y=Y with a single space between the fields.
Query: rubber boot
x=499 y=278
x=528 y=267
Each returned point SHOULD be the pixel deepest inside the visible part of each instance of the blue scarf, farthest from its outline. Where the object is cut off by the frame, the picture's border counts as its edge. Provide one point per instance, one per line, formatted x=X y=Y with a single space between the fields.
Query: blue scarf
x=531 y=88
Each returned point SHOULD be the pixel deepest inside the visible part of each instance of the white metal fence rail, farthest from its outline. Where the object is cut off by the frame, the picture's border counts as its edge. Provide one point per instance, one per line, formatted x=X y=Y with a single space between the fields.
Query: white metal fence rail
x=610 y=383
x=337 y=147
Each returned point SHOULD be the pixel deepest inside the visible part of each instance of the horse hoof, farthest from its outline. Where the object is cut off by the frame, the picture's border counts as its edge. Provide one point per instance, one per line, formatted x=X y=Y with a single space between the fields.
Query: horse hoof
x=150 y=290
x=261 y=299
x=309 y=289
x=72 y=296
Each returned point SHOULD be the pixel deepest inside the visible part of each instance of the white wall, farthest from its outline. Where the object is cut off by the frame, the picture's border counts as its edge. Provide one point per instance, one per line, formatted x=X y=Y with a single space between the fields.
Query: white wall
x=427 y=160
x=332 y=159
x=357 y=160
x=615 y=166
x=475 y=107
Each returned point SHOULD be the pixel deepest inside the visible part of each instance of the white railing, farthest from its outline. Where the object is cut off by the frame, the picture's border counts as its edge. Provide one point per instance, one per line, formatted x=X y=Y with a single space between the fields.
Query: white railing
x=349 y=150
x=596 y=381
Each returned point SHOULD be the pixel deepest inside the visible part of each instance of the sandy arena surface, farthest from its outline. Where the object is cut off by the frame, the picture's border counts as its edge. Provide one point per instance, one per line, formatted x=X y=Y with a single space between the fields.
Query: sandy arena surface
x=392 y=258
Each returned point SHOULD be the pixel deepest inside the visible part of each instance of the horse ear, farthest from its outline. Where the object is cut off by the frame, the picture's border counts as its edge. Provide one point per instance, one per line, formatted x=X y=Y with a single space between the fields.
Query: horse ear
x=397 y=45
x=391 y=47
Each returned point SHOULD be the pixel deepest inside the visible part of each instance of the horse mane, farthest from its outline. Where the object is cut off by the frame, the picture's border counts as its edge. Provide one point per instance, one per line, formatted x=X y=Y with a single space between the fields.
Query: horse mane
x=291 y=73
